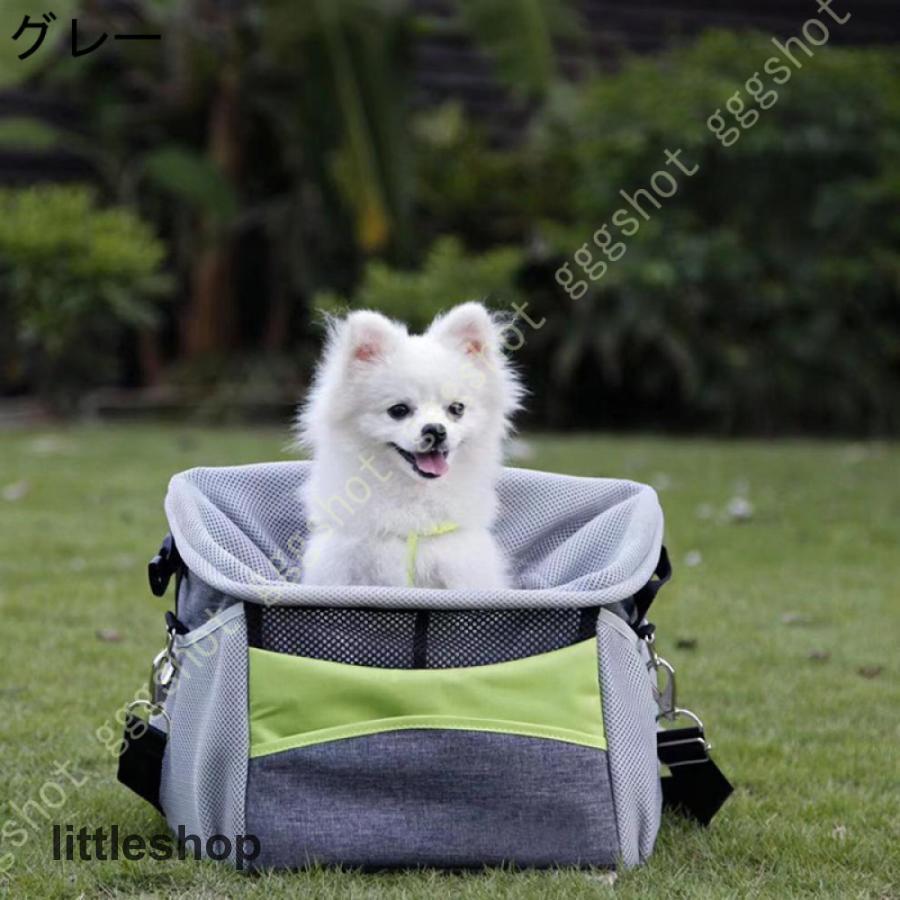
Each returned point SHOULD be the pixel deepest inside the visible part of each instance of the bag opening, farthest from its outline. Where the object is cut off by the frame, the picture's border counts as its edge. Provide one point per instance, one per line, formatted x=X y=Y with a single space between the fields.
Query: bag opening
x=570 y=542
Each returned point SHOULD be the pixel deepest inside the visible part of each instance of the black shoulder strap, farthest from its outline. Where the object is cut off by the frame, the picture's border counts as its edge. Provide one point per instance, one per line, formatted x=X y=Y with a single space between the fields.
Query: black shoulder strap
x=140 y=762
x=696 y=787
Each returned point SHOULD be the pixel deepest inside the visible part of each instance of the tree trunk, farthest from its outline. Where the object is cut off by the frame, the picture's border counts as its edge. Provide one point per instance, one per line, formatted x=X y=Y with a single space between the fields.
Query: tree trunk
x=211 y=318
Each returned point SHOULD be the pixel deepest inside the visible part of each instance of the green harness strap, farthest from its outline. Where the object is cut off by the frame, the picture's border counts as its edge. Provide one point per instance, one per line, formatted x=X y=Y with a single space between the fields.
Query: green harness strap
x=412 y=546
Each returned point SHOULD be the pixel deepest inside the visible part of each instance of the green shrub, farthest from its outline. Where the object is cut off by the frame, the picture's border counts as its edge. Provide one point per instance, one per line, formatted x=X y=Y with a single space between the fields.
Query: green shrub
x=73 y=278
x=760 y=297
x=763 y=295
x=466 y=186
x=448 y=276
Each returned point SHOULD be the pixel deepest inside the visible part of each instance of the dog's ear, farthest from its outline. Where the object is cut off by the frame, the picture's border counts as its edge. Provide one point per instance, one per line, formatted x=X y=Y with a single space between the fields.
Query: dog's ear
x=469 y=328
x=368 y=336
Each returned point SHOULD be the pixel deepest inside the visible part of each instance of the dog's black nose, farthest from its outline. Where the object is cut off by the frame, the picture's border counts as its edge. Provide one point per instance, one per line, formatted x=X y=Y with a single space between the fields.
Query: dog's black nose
x=435 y=433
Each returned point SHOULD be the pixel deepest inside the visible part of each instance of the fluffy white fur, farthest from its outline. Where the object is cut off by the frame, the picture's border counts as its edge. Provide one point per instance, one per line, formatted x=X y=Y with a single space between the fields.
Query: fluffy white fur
x=364 y=496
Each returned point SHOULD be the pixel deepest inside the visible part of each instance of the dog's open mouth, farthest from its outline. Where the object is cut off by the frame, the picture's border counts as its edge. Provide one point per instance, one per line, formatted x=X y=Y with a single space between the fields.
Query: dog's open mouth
x=432 y=464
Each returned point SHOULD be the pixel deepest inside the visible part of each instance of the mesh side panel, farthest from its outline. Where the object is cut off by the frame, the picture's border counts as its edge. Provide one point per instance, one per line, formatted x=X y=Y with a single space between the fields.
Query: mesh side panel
x=405 y=639
x=629 y=719
x=205 y=765
x=242 y=530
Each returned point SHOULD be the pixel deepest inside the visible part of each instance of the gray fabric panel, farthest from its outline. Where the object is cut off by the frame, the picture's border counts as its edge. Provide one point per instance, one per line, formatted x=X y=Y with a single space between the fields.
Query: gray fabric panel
x=197 y=602
x=204 y=774
x=572 y=541
x=433 y=798
x=629 y=719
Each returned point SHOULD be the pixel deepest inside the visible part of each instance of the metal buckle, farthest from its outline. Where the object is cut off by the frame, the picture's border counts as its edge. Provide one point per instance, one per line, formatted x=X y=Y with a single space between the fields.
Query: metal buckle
x=677 y=713
x=154 y=708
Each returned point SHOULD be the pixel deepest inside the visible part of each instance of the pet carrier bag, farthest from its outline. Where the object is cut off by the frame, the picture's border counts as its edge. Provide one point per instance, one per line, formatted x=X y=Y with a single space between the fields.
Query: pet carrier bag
x=383 y=727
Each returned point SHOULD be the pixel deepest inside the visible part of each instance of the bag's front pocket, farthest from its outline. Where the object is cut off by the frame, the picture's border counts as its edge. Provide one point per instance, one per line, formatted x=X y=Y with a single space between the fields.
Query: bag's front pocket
x=432 y=797
x=297 y=702
x=456 y=767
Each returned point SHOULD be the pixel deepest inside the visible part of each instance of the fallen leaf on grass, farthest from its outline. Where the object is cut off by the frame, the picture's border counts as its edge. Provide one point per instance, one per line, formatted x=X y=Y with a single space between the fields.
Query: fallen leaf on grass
x=819 y=655
x=16 y=491
x=854 y=454
x=740 y=509
x=608 y=878
x=794 y=618
x=869 y=671
x=48 y=445
x=111 y=635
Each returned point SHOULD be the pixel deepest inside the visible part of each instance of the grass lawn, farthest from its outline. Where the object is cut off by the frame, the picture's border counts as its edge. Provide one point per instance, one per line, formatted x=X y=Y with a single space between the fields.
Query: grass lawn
x=783 y=629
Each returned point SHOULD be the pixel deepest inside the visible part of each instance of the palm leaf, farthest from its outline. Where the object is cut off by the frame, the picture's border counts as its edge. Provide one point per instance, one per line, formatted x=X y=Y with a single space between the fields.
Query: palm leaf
x=192 y=178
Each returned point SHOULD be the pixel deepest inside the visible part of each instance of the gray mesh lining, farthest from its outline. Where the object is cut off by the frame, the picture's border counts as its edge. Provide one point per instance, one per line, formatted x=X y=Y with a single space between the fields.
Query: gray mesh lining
x=204 y=773
x=572 y=541
x=629 y=720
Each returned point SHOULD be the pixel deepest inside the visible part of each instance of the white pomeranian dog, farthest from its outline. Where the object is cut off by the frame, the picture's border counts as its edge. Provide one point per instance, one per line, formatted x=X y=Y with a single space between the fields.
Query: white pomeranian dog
x=406 y=434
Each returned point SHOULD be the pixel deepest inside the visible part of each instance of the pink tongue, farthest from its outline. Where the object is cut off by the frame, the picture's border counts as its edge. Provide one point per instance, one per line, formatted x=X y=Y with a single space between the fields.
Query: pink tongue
x=432 y=463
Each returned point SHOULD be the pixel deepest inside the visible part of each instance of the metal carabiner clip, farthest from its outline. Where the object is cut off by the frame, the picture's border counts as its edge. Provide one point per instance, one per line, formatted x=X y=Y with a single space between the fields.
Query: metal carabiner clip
x=162 y=670
x=665 y=695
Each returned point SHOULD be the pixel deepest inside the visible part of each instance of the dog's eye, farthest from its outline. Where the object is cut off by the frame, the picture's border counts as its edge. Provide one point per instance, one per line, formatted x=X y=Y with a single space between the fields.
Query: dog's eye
x=399 y=411
x=456 y=409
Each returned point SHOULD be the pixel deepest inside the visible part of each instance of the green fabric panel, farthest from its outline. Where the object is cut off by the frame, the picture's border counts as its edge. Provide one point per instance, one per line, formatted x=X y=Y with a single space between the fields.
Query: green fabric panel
x=295 y=701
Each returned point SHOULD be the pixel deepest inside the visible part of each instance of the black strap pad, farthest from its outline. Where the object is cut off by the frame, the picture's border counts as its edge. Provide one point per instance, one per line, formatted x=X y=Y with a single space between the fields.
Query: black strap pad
x=696 y=788
x=140 y=763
